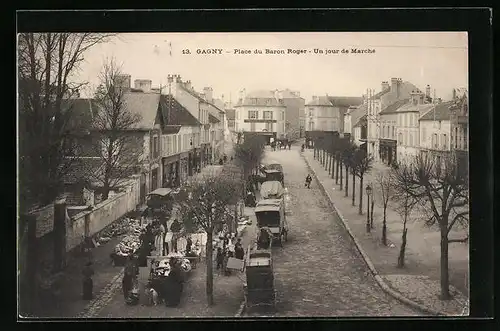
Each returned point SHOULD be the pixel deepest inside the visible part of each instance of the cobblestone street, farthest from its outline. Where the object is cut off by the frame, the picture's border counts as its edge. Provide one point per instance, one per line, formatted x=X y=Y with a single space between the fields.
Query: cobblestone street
x=319 y=272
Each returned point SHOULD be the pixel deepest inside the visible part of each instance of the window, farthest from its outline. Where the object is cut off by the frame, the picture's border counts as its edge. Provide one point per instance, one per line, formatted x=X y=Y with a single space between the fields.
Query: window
x=444 y=141
x=439 y=125
x=253 y=114
x=269 y=127
x=252 y=127
x=155 y=147
x=282 y=115
x=268 y=115
x=400 y=138
x=435 y=140
x=393 y=132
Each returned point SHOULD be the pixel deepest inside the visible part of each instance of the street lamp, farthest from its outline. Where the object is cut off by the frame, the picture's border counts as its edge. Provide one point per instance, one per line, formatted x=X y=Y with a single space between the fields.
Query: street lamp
x=368 y=194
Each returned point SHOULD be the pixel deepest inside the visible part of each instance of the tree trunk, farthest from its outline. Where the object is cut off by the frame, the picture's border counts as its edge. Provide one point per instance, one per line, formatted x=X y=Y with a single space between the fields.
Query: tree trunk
x=329 y=163
x=384 y=226
x=346 y=181
x=360 y=211
x=314 y=153
x=445 y=291
x=353 y=189
x=371 y=212
x=333 y=166
x=401 y=257
x=337 y=168
x=341 y=177
x=210 y=268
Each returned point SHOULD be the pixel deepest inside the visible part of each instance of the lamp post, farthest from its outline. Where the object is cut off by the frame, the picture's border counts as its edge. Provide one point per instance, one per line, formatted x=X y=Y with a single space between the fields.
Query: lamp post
x=368 y=194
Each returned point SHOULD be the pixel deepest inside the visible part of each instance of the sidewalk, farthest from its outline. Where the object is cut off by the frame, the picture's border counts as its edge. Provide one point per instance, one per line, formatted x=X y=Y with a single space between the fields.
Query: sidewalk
x=419 y=280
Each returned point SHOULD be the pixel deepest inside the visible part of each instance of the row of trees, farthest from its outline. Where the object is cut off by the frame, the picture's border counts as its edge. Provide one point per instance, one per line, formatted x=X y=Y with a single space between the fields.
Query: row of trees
x=436 y=187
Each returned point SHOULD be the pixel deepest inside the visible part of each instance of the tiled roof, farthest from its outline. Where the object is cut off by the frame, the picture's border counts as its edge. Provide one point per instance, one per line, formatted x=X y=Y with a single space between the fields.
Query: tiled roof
x=394 y=107
x=441 y=112
x=320 y=101
x=230 y=114
x=360 y=122
x=345 y=101
x=379 y=94
x=144 y=104
x=82 y=113
x=213 y=119
x=175 y=114
x=409 y=107
x=357 y=113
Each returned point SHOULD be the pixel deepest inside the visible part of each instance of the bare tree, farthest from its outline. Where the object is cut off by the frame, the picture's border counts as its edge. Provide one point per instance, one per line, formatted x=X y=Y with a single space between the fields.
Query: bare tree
x=405 y=201
x=441 y=182
x=116 y=146
x=361 y=164
x=206 y=201
x=385 y=184
x=47 y=63
x=249 y=155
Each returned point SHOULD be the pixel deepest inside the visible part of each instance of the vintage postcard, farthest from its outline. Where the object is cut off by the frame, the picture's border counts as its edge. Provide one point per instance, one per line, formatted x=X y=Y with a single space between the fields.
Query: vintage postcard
x=201 y=175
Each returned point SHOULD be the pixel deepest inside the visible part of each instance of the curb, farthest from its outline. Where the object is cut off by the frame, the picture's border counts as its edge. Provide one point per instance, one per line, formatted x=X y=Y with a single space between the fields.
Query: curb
x=241 y=310
x=386 y=288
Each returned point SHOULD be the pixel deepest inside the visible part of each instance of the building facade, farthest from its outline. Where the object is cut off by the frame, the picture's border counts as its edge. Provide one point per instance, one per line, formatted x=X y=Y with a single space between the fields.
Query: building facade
x=295 y=119
x=407 y=126
x=390 y=93
x=262 y=113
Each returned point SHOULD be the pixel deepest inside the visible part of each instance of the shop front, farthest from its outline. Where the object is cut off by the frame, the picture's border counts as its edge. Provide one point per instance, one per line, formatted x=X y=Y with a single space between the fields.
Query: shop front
x=184 y=160
x=171 y=167
x=387 y=151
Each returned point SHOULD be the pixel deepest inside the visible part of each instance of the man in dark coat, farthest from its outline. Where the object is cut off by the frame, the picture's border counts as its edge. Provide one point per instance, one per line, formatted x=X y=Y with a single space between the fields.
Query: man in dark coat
x=175 y=228
x=239 y=252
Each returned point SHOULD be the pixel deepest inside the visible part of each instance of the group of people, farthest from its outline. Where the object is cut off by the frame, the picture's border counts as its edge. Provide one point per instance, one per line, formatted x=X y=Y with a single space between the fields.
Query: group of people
x=279 y=144
x=224 y=253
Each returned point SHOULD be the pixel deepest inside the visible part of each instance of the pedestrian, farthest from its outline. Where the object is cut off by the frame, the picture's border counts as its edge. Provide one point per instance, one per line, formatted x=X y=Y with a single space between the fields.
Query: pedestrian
x=189 y=244
x=87 y=283
x=289 y=145
x=239 y=252
x=308 y=181
x=227 y=256
x=219 y=259
x=175 y=228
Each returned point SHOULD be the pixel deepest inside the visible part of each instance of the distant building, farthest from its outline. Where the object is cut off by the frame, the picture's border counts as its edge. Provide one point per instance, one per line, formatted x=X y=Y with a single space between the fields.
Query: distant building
x=230 y=119
x=262 y=113
x=390 y=93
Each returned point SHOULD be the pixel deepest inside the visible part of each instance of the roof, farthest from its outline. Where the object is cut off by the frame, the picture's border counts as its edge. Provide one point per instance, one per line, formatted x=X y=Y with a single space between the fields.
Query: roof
x=394 y=107
x=230 y=114
x=379 y=94
x=441 y=112
x=410 y=107
x=163 y=191
x=213 y=119
x=144 y=104
x=175 y=114
x=357 y=113
x=289 y=94
x=82 y=112
x=320 y=101
x=345 y=101
x=361 y=121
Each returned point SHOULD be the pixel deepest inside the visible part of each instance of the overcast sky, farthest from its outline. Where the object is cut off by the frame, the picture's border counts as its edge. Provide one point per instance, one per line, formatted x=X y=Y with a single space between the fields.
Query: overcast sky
x=439 y=59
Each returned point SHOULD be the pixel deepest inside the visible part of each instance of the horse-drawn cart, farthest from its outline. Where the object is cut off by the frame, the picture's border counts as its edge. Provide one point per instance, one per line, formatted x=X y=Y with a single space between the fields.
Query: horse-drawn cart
x=259 y=287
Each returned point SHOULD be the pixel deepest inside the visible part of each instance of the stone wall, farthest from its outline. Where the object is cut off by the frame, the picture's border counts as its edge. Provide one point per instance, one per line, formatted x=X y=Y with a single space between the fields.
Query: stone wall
x=102 y=215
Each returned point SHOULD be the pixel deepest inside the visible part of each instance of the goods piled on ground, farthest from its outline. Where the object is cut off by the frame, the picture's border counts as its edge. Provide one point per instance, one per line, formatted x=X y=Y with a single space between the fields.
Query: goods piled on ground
x=130 y=244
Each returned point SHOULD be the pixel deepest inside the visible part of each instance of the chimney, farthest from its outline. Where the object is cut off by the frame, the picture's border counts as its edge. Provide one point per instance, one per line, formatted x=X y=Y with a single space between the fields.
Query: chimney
x=187 y=85
x=178 y=78
x=208 y=94
x=123 y=81
x=428 y=91
x=385 y=86
x=454 y=94
x=394 y=85
x=276 y=94
x=143 y=84
x=417 y=97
